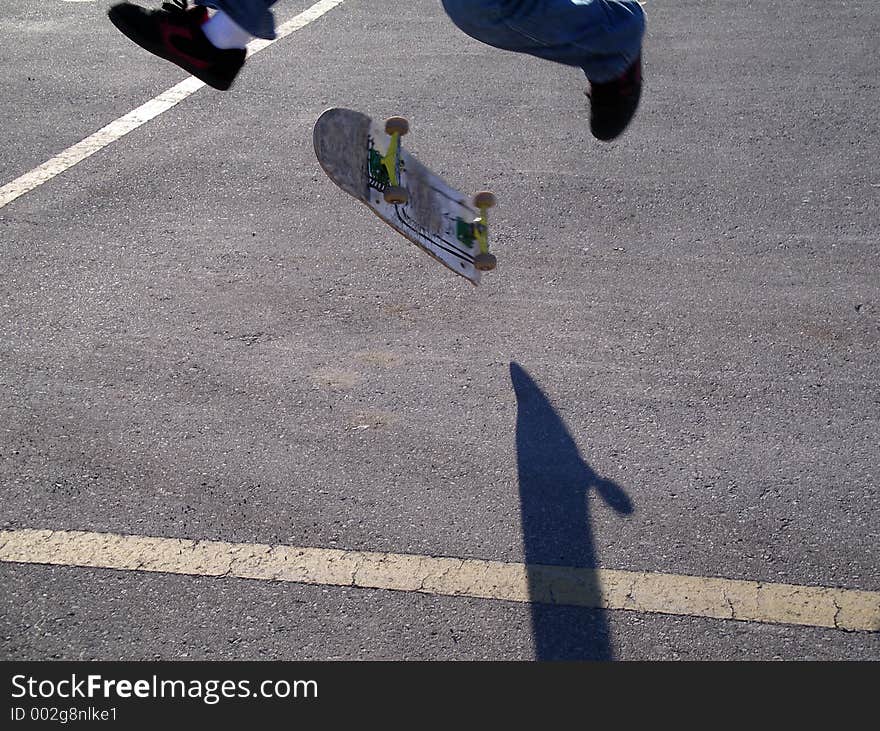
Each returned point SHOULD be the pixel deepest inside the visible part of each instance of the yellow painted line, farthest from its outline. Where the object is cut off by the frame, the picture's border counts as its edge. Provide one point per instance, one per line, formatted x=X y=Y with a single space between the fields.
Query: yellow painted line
x=137 y=117
x=692 y=596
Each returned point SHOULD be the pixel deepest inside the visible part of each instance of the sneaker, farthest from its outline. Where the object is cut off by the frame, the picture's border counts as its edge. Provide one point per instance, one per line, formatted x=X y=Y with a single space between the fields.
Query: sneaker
x=175 y=33
x=613 y=104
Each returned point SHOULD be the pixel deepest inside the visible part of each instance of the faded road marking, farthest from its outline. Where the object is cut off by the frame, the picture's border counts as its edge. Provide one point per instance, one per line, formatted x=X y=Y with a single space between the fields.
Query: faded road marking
x=143 y=114
x=692 y=596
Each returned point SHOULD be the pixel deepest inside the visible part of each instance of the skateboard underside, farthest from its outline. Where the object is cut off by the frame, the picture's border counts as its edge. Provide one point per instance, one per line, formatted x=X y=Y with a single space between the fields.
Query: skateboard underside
x=436 y=217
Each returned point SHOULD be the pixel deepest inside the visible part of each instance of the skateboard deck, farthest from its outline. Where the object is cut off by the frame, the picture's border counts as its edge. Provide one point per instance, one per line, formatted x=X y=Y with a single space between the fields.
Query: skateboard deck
x=363 y=159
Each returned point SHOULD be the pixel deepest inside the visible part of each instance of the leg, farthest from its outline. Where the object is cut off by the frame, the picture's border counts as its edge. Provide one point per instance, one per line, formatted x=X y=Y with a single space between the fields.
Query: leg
x=212 y=49
x=602 y=37
x=252 y=15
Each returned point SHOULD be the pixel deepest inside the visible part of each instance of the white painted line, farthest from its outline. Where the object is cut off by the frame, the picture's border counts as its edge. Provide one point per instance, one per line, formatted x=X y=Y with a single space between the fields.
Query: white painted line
x=143 y=114
x=97 y=141
x=693 y=596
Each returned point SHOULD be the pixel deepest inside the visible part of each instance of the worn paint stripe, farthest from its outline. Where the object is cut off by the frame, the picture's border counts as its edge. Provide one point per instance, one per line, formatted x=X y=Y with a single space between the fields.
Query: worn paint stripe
x=693 y=596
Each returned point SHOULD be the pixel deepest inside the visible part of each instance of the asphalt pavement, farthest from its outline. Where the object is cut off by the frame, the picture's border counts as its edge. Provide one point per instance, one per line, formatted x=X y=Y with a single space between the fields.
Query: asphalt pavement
x=673 y=370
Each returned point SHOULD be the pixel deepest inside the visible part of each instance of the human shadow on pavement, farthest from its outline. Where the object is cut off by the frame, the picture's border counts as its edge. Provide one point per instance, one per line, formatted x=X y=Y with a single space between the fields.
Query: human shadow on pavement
x=554 y=482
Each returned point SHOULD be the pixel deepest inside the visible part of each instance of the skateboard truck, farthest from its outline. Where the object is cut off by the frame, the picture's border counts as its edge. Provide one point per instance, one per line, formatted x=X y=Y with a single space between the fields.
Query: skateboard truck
x=484 y=261
x=367 y=160
x=395 y=194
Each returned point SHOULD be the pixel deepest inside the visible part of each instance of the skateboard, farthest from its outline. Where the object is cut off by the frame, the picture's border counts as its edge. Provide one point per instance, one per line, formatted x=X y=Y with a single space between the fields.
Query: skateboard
x=368 y=161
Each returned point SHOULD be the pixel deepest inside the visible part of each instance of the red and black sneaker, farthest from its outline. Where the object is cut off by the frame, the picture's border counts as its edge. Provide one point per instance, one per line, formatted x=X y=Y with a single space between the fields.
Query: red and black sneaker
x=613 y=104
x=175 y=33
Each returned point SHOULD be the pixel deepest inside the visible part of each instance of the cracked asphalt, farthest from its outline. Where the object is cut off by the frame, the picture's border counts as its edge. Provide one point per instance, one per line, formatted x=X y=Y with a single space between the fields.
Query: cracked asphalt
x=674 y=369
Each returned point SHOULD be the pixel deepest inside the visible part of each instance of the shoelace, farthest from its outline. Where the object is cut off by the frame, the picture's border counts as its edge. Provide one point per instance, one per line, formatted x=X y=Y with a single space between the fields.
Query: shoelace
x=180 y=9
x=175 y=6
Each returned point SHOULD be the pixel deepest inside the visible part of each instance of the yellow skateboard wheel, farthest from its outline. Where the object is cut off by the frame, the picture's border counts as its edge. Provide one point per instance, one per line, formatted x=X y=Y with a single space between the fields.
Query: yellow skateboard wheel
x=396 y=124
x=396 y=195
x=485 y=262
x=484 y=199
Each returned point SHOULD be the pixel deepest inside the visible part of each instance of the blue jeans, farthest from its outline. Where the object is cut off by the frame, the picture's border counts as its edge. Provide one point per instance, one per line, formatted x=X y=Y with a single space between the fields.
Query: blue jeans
x=252 y=15
x=602 y=37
